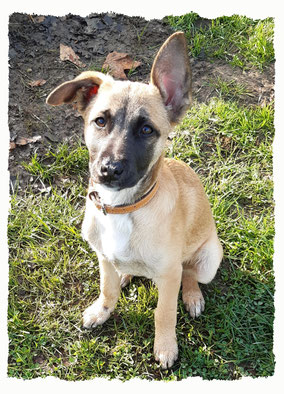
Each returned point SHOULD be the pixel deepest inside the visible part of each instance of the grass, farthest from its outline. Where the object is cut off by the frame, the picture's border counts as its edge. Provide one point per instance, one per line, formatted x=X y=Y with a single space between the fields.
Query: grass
x=241 y=41
x=64 y=161
x=54 y=274
x=229 y=89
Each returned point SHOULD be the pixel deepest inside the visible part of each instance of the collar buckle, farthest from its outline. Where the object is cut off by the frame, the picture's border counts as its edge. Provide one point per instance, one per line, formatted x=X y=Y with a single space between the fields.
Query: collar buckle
x=103 y=208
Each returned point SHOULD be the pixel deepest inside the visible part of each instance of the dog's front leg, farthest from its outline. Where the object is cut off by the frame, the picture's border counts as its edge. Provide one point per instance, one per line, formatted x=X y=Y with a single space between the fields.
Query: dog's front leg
x=101 y=309
x=165 y=346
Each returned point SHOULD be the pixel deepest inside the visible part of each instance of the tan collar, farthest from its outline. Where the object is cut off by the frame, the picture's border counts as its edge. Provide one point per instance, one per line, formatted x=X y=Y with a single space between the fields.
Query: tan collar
x=120 y=209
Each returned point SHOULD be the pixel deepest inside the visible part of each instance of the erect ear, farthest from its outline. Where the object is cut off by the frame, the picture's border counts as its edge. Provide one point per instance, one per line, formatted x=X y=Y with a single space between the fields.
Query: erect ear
x=81 y=89
x=171 y=74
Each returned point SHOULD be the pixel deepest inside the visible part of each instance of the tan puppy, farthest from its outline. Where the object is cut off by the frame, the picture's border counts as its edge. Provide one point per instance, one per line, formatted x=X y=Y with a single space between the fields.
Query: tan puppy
x=145 y=215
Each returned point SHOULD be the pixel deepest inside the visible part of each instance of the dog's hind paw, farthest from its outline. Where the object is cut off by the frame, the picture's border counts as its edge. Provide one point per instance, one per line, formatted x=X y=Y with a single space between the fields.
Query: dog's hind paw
x=194 y=303
x=95 y=315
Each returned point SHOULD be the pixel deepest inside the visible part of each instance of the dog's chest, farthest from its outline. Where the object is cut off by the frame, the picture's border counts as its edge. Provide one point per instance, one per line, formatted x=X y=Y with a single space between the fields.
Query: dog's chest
x=115 y=233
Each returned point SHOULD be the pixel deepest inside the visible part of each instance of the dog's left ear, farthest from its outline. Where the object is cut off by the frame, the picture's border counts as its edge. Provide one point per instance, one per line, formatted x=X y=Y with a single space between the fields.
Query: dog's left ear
x=171 y=74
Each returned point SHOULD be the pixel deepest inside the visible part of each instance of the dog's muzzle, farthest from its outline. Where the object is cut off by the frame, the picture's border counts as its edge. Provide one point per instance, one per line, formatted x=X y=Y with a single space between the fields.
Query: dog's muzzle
x=112 y=170
x=114 y=174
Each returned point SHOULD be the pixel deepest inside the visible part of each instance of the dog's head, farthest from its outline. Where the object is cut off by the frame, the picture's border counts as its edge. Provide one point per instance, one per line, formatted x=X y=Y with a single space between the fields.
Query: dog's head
x=127 y=123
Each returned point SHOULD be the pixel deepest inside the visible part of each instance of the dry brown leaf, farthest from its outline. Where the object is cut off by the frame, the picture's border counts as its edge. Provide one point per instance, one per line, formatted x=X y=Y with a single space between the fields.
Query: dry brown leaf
x=24 y=141
x=12 y=145
x=38 y=82
x=67 y=53
x=117 y=62
x=226 y=142
x=38 y=19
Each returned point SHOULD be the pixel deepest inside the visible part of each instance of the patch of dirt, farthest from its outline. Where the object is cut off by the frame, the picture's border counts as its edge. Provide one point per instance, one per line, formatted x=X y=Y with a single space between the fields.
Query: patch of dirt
x=36 y=69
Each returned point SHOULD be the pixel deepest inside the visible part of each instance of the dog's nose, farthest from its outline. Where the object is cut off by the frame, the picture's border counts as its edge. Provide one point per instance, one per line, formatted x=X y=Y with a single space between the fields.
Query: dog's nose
x=112 y=169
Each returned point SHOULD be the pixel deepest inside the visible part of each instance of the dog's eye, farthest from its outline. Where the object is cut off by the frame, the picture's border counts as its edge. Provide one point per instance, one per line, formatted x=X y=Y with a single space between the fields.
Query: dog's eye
x=146 y=130
x=101 y=122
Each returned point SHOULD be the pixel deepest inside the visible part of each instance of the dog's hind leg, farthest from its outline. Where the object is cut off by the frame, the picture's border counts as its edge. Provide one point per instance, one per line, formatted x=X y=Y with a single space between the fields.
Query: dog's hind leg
x=101 y=309
x=202 y=268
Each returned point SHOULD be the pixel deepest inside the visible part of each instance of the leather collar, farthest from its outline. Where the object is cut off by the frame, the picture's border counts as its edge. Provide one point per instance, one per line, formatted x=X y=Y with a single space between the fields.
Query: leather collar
x=121 y=209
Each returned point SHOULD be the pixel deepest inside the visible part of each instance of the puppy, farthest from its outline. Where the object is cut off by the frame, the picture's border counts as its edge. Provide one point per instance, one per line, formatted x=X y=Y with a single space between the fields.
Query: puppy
x=145 y=215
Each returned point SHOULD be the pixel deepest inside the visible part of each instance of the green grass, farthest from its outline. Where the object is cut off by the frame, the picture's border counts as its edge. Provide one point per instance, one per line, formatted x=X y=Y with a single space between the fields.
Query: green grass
x=54 y=275
x=64 y=161
x=241 y=41
x=230 y=90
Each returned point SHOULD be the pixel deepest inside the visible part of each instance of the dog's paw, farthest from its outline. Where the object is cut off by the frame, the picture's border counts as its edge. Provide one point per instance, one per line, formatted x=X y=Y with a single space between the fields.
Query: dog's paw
x=194 y=303
x=95 y=315
x=166 y=352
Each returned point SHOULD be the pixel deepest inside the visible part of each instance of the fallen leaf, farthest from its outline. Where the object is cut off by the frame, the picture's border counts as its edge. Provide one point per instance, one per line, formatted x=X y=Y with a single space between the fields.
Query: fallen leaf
x=38 y=19
x=39 y=359
x=226 y=142
x=38 y=82
x=24 y=141
x=12 y=145
x=117 y=62
x=67 y=53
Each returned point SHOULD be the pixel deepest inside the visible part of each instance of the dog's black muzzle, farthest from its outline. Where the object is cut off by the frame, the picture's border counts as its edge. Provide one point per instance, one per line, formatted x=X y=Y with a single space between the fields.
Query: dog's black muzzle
x=114 y=174
x=112 y=171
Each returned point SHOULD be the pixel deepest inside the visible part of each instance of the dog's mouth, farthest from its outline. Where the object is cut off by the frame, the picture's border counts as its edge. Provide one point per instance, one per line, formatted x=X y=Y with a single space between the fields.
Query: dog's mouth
x=114 y=184
x=116 y=175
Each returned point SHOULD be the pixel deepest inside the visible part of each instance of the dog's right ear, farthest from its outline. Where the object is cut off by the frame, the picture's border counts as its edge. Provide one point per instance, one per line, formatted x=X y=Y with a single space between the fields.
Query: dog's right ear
x=81 y=89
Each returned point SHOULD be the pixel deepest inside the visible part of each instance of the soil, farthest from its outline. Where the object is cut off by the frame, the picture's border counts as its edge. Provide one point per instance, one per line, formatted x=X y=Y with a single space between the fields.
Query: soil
x=34 y=55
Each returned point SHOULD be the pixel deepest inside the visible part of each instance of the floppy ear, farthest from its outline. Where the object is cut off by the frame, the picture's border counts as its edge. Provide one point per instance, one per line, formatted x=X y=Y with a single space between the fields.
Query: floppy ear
x=81 y=89
x=171 y=74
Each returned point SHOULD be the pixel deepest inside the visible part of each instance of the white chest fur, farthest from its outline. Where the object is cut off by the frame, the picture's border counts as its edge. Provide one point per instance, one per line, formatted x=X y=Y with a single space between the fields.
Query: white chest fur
x=111 y=235
x=115 y=245
x=115 y=232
